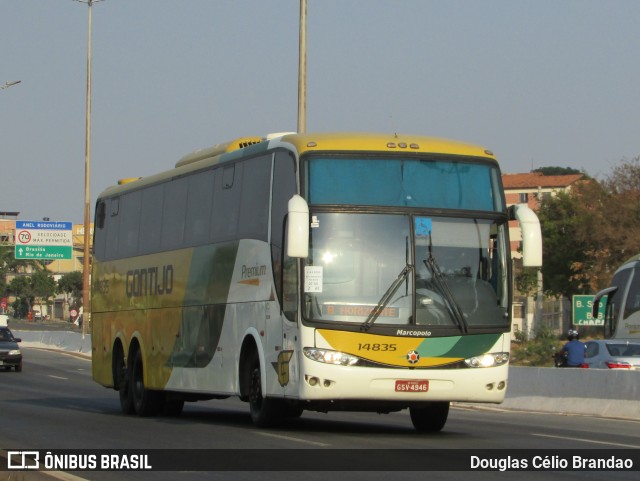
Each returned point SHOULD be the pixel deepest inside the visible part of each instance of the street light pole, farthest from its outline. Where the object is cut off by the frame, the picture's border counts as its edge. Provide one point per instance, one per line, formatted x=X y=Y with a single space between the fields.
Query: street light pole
x=302 y=70
x=86 y=261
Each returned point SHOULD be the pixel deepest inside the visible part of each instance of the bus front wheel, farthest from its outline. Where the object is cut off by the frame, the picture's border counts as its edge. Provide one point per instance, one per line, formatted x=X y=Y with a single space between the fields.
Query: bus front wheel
x=265 y=412
x=431 y=417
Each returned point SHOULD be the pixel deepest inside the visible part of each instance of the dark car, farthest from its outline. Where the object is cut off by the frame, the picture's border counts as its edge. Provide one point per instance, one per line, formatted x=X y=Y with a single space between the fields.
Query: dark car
x=10 y=355
x=613 y=354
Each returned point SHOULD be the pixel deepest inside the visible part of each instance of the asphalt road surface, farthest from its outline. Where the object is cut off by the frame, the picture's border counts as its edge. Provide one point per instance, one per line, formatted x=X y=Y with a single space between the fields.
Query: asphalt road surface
x=54 y=404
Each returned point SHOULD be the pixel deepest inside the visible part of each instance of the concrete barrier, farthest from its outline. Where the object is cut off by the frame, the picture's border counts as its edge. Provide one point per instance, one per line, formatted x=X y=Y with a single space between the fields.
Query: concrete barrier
x=595 y=392
x=599 y=392
x=62 y=340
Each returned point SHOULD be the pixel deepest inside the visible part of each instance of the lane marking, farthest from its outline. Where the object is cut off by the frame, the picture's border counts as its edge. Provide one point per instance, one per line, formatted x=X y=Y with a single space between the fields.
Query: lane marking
x=592 y=441
x=58 y=377
x=289 y=438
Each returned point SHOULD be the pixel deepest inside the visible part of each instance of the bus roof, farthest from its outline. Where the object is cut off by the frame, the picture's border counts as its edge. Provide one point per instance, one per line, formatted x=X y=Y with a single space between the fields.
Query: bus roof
x=363 y=142
x=304 y=143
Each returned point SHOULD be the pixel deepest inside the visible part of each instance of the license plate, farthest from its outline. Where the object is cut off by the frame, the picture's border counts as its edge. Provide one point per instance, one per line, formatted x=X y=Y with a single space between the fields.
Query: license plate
x=412 y=386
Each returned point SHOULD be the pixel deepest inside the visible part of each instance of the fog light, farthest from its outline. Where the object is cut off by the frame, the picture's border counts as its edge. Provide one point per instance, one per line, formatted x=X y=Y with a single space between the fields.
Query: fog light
x=313 y=381
x=501 y=385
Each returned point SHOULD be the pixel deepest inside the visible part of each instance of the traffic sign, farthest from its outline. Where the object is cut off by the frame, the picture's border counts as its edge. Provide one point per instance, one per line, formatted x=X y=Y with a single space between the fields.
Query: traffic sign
x=44 y=240
x=582 y=316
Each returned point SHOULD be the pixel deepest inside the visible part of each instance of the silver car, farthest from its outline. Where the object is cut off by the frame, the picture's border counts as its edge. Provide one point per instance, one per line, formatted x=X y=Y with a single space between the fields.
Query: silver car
x=613 y=354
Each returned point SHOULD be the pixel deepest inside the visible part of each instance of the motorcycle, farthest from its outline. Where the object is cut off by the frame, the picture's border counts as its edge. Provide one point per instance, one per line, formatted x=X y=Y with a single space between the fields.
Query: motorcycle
x=560 y=358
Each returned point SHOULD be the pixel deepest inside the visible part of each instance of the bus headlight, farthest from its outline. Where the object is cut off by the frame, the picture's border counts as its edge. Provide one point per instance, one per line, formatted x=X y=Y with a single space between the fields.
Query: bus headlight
x=330 y=357
x=491 y=359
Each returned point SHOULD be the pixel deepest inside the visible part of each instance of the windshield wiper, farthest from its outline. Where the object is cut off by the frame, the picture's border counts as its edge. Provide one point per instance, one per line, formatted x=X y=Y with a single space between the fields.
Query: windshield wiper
x=384 y=300
x=449 y=300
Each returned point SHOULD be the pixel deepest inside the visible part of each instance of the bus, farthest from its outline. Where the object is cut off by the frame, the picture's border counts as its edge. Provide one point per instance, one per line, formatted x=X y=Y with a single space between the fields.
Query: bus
x=319 y=272
x=622 y=302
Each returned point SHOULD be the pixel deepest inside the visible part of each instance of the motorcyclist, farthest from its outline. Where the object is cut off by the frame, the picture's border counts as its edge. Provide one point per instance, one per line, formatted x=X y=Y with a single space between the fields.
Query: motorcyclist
x=574 y=349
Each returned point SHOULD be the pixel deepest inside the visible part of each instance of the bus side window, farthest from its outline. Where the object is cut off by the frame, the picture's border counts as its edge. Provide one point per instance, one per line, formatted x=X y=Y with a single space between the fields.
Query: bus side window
x=100 y=232
x=174 y=214
x=113 y=228
x=151 y=219
x=199 y=203
x=226 y=199
x=254 y=203
x=130 y=224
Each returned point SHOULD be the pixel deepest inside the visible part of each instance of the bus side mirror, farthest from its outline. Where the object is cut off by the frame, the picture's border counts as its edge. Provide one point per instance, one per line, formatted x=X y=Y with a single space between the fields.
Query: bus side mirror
x=531 y=234
x=597 y=299
x=298 y=228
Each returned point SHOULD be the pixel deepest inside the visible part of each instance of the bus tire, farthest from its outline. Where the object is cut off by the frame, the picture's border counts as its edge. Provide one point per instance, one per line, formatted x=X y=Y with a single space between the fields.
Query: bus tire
x=265 y=412
x=123 y=381
x=145 y=401
x=429 y=418
x=172 y=407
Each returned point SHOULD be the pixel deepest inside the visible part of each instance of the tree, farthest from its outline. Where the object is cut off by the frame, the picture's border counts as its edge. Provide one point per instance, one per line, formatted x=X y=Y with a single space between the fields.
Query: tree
x=22 y=288
x=71 y=285
x=562 y=218
x=10 y=265
x=590 y=231
x=44 y=286
x=557 y=171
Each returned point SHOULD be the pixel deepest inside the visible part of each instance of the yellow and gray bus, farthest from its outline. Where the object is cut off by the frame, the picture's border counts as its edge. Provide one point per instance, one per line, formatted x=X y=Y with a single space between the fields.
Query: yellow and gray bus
x=309 y=272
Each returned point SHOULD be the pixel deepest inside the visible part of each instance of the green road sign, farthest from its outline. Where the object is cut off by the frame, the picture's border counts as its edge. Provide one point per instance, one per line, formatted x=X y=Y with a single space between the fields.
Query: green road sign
x=44 y=252
x=582 y=316
x=44 y=240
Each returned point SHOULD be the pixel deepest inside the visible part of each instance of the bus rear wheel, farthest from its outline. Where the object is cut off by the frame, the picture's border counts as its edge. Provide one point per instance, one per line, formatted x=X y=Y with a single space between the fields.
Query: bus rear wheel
x=145 y=402
x=431 y=417
x=124 y=384
x=265 y=412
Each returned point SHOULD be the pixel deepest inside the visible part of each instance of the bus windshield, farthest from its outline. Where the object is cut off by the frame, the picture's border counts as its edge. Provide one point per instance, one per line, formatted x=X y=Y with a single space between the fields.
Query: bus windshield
x=452 y=183
x=414 y=270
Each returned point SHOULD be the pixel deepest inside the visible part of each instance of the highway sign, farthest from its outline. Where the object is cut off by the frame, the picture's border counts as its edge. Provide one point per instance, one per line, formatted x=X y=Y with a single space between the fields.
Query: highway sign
x=582 y=315
x=44 y=240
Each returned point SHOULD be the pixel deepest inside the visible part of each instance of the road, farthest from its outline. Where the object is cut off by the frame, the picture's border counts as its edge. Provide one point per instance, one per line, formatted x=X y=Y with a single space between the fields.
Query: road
x=54 y=404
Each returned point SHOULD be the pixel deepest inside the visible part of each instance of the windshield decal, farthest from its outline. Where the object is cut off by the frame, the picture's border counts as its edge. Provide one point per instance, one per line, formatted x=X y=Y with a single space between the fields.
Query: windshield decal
x=313 y=278
x=423 y=226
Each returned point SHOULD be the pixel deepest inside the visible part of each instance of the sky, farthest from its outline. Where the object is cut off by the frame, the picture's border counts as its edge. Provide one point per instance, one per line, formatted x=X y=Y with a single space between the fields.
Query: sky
x=540 y=83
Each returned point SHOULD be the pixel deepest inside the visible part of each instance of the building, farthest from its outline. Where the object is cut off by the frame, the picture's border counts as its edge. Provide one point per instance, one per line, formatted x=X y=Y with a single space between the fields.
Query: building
x=531 y=189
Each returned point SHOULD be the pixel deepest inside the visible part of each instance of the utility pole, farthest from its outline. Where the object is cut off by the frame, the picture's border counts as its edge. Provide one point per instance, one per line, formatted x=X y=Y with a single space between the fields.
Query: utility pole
x=86 y=264
x=302 y=70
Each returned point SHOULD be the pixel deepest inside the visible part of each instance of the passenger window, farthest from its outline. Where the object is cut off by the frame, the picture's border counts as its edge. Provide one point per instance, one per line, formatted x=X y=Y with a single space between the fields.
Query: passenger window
x=173 y=219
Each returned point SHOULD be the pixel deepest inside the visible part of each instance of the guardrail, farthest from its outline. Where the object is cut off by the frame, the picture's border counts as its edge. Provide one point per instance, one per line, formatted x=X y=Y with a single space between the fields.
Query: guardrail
x=596 y=392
